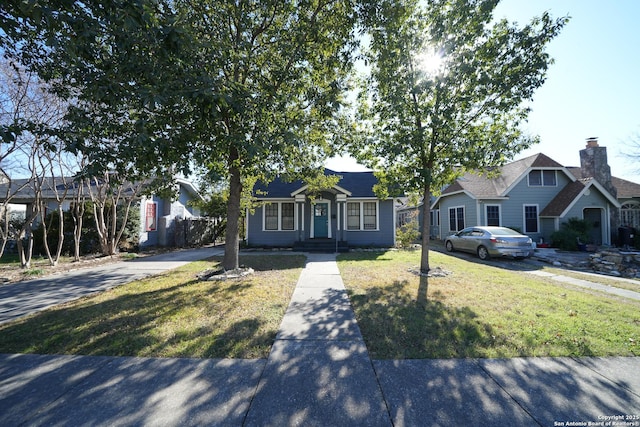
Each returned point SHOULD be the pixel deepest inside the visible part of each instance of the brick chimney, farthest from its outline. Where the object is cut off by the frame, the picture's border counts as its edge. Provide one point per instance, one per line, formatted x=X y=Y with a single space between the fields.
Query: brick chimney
x=594 y=164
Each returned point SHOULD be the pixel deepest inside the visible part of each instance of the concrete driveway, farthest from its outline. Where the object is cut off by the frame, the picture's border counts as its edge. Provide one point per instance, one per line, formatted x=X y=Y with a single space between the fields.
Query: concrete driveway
x=22 y=298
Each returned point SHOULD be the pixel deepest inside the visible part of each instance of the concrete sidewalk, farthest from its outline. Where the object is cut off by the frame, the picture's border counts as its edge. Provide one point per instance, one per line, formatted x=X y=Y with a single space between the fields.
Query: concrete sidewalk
x=318 y=374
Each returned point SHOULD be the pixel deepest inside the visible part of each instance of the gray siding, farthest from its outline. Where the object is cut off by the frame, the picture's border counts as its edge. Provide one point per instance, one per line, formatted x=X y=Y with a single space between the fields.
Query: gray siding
x=383 y=237
x=457 y=200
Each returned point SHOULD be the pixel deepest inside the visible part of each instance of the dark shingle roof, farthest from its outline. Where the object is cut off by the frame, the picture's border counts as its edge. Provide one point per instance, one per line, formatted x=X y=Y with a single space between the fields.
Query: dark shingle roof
x=626 y=189
x=481 y=185
x=359 y=184
x=564 y=198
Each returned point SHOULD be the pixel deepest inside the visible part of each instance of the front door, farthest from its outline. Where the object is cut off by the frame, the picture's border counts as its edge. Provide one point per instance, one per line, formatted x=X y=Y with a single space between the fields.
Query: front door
x=320 y=220
x=594 y=217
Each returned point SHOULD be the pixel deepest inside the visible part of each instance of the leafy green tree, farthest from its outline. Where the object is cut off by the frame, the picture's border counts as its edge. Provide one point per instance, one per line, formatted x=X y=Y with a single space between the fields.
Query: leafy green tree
x=245 y=89
x=447 y=92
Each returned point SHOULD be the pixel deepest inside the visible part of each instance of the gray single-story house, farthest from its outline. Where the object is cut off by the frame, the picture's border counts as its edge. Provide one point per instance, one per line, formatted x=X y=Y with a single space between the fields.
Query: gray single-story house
x=347 y=215
x=534 y=195
x=157 y=214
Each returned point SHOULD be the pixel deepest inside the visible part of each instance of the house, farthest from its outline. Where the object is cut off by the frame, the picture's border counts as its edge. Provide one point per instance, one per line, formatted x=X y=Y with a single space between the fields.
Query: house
x=347 y=215
x=628 y=195
x=158 y=215
x=534 y=195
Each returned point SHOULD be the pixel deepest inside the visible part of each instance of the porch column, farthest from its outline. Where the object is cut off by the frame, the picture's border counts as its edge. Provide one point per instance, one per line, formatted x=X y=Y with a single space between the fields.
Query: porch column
x=300 y=199
x=341 y=200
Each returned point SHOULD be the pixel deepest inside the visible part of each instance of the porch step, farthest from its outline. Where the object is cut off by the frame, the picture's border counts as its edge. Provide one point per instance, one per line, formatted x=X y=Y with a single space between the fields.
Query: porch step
x=321 y=245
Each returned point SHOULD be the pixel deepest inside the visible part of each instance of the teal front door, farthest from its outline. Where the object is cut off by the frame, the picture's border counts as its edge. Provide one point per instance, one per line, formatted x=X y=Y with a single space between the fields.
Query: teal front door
x=320 y=220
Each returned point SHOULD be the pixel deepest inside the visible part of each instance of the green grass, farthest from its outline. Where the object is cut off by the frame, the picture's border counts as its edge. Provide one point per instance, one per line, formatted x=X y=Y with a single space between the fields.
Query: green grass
x=171 y=315
x=480 y=311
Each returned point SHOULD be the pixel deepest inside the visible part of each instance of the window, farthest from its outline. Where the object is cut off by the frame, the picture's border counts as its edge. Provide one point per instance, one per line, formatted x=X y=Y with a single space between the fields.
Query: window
x=539 y=178
x=456 y=219
x=630 y=214
x=530 y=218
x=493 y=215
x=279 y=216
x=150 y=216
x=353 y=216
x=287 y=216
x=369 y=210
x=271 y=216
x=434 y=217
x=362 y=216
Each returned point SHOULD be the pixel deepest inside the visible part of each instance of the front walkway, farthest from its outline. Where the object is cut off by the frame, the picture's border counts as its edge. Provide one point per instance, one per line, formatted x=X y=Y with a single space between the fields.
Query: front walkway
x=319 y=371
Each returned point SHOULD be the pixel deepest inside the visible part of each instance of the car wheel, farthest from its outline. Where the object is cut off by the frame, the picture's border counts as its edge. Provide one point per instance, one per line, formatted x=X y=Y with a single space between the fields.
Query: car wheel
x=449 y=246
x=483 y=253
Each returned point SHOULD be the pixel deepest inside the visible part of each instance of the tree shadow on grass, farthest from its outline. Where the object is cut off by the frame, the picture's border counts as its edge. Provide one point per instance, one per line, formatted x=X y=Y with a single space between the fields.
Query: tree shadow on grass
x=397 y=326
x=260 y=262
x=183 y=320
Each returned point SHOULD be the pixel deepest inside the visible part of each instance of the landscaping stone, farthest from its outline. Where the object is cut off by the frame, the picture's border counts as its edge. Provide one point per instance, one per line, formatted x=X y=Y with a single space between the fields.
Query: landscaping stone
x=434 y=272
x=221 y=274
x=617 y=263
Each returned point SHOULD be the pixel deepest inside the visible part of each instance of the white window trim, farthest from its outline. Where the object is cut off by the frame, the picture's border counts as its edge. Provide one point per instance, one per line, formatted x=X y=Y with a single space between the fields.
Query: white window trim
x=362 y=202
x=464 y=214
x=486 y=213
x=542 y=171
x=279 y=203
x=524 y=218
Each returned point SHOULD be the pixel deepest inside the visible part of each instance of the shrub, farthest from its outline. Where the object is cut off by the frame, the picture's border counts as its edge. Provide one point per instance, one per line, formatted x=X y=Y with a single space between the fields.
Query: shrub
x=408 y=233
x=573 y=231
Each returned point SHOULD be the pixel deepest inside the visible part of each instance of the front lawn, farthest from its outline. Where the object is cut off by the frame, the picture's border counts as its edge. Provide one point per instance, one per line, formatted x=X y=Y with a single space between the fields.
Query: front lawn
x=170 y=315
x=481 y=311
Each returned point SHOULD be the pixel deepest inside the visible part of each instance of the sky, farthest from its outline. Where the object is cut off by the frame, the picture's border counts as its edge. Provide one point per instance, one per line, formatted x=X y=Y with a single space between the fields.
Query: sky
x=592 y=89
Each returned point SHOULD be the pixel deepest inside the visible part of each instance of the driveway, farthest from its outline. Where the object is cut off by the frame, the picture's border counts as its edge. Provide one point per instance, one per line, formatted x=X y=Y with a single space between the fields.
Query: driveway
x=22 y=298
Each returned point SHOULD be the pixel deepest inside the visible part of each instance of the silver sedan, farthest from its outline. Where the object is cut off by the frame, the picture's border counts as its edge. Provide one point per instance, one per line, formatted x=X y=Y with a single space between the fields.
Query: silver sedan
x=489 y=242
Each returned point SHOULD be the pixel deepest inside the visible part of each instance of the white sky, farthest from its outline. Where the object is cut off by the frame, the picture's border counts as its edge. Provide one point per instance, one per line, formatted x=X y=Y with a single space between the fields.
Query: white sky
x=592 y=89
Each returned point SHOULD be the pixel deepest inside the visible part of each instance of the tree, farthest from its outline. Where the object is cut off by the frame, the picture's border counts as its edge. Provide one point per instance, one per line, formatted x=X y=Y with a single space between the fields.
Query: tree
x=632 y=151
x=246 y=89
x=28 y=107
x=109 y=194
x=447 y=92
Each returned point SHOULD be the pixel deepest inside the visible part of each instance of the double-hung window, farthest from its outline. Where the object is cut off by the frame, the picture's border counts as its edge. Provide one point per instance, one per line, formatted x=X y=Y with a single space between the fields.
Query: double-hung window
x=362 y=216
x=493 y=215
x=456 y=218
x=531 y=219
x=279 y=216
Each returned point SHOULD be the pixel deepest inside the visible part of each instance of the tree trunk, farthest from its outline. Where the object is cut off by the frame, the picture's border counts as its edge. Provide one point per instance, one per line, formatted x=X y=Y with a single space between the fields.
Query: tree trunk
x=426 y=229
x=78 y=212
x=232 y=238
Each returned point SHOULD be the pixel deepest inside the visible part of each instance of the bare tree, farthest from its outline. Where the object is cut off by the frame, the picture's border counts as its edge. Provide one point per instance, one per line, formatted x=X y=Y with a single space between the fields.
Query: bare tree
x=632 y=151
x=108 y=194
x=12 y=100
x=30 y=111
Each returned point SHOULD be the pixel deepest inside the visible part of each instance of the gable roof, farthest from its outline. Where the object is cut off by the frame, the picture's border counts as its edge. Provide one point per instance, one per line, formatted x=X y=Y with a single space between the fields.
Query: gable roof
x=355 y=184
x=479 y=185
x=569 y=195
x=626 y=189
